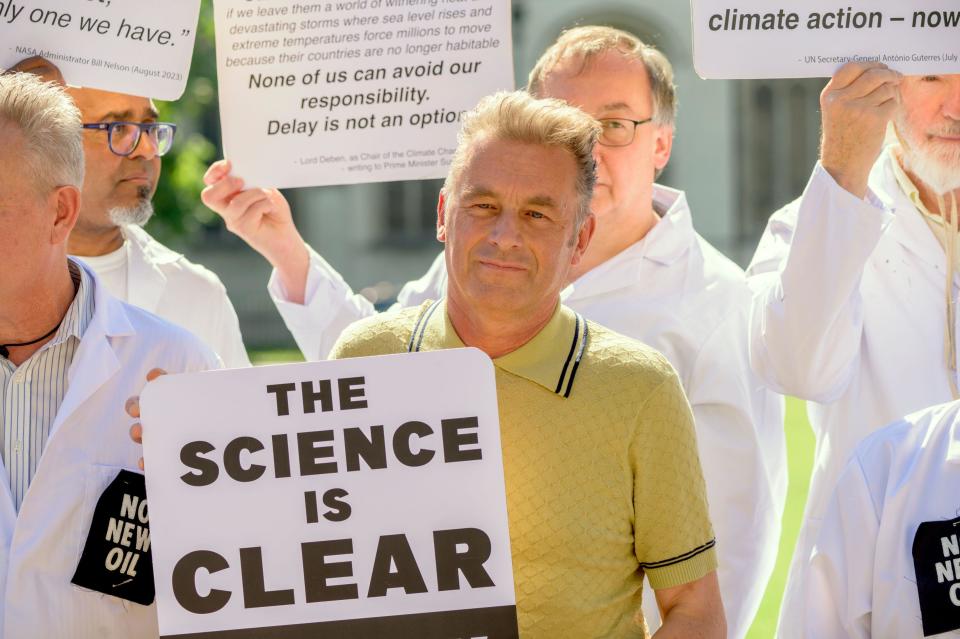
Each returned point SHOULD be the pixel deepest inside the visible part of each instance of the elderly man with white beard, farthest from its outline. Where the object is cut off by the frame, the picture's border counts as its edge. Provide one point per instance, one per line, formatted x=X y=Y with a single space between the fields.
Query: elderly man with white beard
x=855 y=284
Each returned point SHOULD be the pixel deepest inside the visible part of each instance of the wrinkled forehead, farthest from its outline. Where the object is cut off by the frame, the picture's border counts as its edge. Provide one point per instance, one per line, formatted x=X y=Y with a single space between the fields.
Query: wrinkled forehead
x=98 y=106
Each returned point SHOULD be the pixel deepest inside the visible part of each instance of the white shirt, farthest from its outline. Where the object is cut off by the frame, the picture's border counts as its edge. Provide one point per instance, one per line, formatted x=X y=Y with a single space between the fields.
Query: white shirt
x=675 y=292
x=31 y=393
x=168 y=284
x=862 y=580
x=111 y=269
x=88 y=444
x=849 y=314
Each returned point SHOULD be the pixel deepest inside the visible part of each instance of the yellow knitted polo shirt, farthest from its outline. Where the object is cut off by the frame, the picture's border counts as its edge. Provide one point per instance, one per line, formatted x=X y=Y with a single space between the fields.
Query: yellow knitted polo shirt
x=600 y=461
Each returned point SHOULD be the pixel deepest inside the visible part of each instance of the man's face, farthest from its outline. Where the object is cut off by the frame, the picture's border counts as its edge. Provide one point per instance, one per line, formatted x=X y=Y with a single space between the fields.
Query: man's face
x=510 y=227
x=116 y=188
x=613 y=86
x=928 y=123
x=26 y=217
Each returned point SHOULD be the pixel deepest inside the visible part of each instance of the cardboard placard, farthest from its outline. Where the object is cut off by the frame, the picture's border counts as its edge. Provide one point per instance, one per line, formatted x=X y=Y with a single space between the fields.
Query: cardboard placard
x=353 y=498
x=135 y=47
x=750 y=39
x=353 y=91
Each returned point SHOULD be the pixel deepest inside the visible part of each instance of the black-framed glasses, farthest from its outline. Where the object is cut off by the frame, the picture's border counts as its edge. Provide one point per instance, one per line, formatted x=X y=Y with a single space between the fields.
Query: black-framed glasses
x=123 y=137
x=619 y=131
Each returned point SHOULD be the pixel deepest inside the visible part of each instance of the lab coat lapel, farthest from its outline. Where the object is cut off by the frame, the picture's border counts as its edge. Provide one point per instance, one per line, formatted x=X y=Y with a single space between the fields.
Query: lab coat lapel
x=909 y=228
x=95 y=361
x=145 y=280
x=8 y=514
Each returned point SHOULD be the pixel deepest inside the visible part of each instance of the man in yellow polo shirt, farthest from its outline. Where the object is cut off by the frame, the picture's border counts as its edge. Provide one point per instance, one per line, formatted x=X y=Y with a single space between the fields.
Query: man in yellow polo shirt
x=603 y=481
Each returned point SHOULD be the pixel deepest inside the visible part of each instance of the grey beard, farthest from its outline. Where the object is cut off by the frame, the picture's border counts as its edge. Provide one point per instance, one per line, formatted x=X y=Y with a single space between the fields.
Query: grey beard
x=132 y=215
x=939 y=173
x=938 y=176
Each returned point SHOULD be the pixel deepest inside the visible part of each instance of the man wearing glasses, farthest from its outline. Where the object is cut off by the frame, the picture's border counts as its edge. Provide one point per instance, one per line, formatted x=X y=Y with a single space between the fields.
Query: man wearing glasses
x=123 y=143
x=70 y=354
x=646 y=274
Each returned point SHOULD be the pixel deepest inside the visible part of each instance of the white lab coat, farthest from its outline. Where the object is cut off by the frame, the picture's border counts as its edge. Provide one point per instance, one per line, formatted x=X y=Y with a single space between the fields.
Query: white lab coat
x=848 y=314
x=169 y=285
x=862 y=581
x=88 y=444
x=675 y=292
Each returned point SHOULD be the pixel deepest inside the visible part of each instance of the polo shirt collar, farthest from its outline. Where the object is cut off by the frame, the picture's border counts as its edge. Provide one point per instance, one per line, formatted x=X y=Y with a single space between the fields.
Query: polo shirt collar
x=550 y=359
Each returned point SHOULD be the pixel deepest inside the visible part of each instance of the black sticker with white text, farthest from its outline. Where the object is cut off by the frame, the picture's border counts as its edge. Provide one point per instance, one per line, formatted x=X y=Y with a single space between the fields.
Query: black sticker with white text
x=936 y=560
x=116 y=556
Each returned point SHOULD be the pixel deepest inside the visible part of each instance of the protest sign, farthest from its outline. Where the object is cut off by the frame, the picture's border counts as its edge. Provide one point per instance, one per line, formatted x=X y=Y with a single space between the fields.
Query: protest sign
x=737 y=39
x=351 y=91
x=126 y=47
x=353 y=498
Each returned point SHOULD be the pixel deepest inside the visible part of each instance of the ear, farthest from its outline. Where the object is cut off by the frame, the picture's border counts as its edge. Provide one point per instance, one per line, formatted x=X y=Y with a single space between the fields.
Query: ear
x=442 y=217
x=662 y=146
x=66 y=199
x=583 y=238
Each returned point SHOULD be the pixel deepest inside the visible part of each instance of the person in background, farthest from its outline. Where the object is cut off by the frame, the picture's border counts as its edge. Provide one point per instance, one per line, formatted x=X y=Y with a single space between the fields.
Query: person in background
x=885 y=561
x=123 y=143
x=856 y=282
x=70 y=355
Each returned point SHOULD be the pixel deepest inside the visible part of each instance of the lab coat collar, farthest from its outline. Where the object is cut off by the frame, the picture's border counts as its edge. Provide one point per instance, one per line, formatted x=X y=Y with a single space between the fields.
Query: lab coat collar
x=145 y=281
x=953 y=449
x=95 y=361
x=666 y=243
x=908 y=226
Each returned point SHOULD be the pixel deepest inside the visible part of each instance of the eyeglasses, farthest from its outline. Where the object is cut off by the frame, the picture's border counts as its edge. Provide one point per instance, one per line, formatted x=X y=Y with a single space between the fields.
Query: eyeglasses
x=123 y=137
x=619 y=131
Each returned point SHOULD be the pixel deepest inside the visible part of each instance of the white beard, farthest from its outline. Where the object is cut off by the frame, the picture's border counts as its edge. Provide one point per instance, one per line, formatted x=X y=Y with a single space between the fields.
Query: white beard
x=132 y=215
x=937 y=166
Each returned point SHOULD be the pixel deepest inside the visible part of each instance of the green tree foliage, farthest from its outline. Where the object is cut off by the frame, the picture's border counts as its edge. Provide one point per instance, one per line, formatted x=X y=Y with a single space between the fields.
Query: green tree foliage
x=179 y=212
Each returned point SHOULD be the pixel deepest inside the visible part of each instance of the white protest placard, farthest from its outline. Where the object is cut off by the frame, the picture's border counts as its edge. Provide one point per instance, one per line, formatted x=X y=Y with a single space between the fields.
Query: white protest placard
x=137 y=47
x=353 y=498
x=752 y=39
x=349 y=91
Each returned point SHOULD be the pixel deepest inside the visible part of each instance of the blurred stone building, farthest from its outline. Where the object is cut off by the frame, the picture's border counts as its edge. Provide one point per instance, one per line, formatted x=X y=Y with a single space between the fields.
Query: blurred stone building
x=742 y=150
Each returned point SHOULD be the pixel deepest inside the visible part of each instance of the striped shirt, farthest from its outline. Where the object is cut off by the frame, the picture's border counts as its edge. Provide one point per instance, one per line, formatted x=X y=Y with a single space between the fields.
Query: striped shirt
x=31 y=394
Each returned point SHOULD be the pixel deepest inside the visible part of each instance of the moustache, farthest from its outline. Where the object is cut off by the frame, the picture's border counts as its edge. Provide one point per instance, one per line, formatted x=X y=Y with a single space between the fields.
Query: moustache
x=950 y=130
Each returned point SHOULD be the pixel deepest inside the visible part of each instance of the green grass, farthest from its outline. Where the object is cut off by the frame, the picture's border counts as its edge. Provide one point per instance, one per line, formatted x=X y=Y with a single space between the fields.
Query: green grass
x=276 y=356
x=800 y=443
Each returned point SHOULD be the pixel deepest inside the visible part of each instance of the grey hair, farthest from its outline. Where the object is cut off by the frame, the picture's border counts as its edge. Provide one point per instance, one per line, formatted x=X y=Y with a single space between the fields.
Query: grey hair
x=585 y=42
x=520 y=117
x=50 y=124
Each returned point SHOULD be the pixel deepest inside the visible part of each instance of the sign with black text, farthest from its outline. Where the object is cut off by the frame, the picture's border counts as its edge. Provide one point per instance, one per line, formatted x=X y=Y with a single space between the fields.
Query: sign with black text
x=353 y=91
x=126 y=46
x=750 y=39
x=353 y=498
